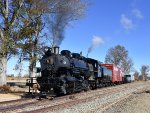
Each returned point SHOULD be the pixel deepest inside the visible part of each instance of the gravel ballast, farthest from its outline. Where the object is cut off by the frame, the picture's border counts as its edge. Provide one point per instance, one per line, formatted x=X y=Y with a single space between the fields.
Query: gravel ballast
x=98 y=105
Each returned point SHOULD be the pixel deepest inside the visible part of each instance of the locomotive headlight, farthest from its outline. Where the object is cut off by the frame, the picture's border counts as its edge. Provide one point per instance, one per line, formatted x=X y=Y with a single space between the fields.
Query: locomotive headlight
x=48 y=61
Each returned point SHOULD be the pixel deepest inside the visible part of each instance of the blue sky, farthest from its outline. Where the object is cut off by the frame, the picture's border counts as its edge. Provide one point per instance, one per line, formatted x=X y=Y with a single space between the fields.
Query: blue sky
x=124 y=22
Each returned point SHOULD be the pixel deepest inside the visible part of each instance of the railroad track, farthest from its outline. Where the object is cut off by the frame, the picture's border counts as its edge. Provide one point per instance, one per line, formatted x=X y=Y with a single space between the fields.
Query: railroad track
x=59 y=103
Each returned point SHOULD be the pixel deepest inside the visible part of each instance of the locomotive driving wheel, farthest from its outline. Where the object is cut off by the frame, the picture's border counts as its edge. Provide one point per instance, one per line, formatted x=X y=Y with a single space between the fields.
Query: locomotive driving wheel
x=61 y=89
x=85 y=85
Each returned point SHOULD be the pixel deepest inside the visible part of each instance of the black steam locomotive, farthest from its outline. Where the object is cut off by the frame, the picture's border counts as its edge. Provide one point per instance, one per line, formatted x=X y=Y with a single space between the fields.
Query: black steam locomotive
x=68 y=72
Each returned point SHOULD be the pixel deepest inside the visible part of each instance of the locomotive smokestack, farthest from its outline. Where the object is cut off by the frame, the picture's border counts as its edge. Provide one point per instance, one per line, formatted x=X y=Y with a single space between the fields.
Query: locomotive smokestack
x=56 y=50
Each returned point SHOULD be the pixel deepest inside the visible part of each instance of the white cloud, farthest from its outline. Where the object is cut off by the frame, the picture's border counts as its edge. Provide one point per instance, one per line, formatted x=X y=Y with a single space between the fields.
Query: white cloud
x=126 y=22
x=137 y=13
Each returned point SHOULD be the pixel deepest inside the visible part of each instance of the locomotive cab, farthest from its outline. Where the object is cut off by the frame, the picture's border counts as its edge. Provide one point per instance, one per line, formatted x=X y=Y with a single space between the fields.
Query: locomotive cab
x=96 y=67
x=76 y=56
x=66 y=53
x=79 y=65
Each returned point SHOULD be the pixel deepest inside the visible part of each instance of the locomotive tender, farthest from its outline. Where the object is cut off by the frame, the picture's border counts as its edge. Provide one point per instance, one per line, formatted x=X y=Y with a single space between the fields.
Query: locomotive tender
x=68 y=72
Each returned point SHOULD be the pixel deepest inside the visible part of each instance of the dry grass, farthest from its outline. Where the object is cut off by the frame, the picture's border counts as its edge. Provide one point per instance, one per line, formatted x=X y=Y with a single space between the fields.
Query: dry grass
x=5 y=89
x=17 y=78
x=8 y=89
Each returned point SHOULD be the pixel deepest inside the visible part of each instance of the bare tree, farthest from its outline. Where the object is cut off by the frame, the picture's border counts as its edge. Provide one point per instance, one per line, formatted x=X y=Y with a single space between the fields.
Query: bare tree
x=136 y=75
x=9 y=11
x=118 y=55
x=144 y=71
x=127 y=65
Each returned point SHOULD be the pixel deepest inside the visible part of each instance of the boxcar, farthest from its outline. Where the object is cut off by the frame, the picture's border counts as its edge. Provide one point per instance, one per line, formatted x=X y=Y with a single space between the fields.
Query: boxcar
x=117 y=74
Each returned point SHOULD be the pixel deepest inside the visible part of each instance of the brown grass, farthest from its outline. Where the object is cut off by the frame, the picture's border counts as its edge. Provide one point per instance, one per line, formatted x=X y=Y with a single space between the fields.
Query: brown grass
x=5 y=89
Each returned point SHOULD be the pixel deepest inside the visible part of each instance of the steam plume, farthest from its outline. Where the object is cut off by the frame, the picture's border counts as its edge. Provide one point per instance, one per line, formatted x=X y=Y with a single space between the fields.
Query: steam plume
x=96 y=41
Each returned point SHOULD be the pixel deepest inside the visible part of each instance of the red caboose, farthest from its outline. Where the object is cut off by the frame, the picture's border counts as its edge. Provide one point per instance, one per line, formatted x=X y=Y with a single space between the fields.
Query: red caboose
x=116 y=73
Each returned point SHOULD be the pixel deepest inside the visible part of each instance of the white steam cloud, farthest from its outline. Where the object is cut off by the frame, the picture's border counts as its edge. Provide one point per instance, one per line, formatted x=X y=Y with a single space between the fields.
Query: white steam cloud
x=96 y=41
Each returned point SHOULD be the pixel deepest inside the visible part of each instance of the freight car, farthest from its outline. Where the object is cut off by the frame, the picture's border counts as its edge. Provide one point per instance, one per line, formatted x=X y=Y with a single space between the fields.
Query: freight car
x=117 y=75
x=66 y=72
x=128 y=78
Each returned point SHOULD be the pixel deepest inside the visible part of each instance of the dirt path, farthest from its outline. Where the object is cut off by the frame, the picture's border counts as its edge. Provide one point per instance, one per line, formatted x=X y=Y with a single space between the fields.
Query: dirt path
x=137 y=103
x=8 y=97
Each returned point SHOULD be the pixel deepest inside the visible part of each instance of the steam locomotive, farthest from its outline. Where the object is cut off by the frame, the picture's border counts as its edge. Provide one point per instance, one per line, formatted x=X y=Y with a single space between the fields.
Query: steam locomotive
x=68 y=72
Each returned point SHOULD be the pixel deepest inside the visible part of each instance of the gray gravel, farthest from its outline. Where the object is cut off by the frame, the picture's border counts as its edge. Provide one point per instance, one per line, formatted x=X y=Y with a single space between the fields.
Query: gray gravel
x=99 y=105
